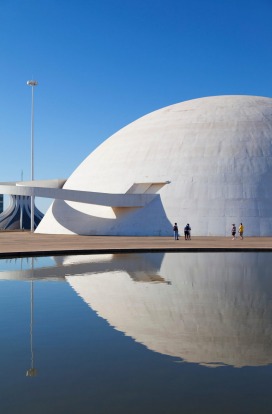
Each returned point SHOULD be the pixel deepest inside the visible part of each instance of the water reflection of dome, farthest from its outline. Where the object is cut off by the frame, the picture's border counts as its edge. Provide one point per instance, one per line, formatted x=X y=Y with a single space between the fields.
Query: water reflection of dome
x=205 y=308
x=216 y=309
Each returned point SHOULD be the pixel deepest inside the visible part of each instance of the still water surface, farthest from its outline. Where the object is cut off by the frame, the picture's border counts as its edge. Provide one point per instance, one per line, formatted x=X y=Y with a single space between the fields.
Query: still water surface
x=136 y=333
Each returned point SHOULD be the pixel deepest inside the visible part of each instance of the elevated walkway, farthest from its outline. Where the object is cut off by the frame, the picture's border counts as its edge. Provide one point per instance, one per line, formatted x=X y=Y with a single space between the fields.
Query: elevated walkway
x=53 y=189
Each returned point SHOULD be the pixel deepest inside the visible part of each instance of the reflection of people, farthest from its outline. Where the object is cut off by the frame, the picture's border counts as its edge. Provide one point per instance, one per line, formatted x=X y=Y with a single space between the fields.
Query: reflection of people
x=187 y=232
x=175 y=228
x=233 y=231
x=241 y=231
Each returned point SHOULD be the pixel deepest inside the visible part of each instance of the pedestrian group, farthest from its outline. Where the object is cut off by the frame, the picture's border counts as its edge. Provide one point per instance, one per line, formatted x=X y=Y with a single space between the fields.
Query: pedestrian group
x=240 y=231
x=187 y=231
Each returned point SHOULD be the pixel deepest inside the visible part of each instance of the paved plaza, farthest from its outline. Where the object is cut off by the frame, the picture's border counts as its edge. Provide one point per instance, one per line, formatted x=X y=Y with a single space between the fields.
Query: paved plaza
x=19 y=244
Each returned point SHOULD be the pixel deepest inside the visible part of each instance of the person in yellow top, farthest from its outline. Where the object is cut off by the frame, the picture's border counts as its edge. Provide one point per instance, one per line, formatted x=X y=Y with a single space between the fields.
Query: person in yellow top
x=241 y=231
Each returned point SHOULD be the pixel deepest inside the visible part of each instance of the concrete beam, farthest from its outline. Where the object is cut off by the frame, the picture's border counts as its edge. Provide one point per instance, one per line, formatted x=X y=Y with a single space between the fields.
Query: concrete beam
x=102 y=199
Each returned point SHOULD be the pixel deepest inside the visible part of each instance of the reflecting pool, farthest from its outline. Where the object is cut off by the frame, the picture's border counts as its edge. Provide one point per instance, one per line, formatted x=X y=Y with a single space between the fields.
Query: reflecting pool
x=136 y=333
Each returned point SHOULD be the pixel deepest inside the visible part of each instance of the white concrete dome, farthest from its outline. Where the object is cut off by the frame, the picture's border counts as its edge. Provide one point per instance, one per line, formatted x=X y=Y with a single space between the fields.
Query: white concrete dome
x=208 y=160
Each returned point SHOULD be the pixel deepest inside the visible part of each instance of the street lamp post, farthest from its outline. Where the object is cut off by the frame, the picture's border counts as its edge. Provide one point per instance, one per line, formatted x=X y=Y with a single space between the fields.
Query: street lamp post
x=32 y=83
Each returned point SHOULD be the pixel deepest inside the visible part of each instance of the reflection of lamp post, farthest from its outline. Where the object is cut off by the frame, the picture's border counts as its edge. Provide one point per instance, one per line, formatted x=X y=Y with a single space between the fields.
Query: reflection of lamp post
x=31 y=372
x=32 y=83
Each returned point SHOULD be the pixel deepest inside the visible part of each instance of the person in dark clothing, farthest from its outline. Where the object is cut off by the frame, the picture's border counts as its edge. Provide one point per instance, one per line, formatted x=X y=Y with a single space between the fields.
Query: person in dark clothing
x=175 y=229
x=187 y=232
x=233 y=231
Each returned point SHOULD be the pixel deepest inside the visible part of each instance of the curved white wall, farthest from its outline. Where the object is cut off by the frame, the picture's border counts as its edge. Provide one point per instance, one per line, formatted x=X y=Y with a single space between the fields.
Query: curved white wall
x=217 y=154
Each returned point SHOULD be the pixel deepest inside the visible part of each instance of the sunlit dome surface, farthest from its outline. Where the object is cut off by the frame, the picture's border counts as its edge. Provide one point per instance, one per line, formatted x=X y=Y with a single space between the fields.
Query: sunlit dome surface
x=209 y=161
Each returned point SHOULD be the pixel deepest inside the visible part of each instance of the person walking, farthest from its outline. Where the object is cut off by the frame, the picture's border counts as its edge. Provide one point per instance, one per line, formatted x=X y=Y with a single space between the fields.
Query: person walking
x=233 y=231
x=175 y=228
x=187 y=232
x=241 y=231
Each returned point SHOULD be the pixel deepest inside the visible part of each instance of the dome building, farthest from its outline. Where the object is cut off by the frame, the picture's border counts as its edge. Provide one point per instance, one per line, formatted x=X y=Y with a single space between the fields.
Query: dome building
x=206 y=161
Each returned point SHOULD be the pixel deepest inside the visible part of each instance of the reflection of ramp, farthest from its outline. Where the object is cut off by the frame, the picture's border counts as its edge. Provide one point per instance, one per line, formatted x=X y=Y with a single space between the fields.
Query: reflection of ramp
x=62 y=266
x=148 y=264
x=216 y=309
x=44 y=273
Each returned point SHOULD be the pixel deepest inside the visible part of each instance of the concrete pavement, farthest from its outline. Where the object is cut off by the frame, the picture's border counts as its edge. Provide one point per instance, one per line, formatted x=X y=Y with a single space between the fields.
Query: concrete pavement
x=20 y=244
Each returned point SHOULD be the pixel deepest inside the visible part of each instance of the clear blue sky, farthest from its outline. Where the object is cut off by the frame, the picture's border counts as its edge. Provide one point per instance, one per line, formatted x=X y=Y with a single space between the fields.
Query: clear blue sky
x=102 y=64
